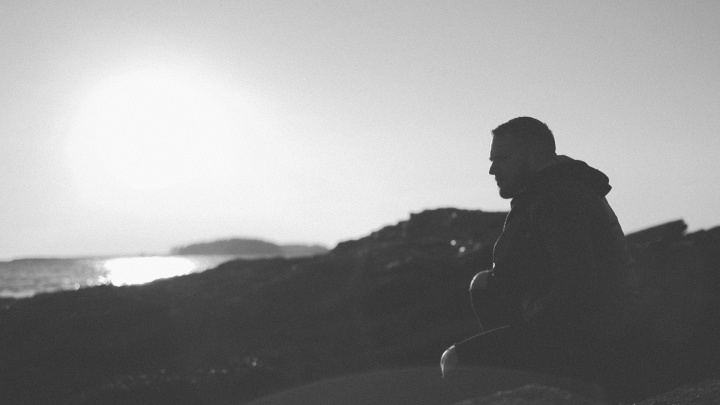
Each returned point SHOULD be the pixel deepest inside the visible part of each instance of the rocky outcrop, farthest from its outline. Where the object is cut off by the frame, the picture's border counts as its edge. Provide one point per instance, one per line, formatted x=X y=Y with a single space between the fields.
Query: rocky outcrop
x=302 y=250
x=704 y=393
x=667 y=232
x=392 y=300
x=422 y=386
x=531 y=394
x=679 y=280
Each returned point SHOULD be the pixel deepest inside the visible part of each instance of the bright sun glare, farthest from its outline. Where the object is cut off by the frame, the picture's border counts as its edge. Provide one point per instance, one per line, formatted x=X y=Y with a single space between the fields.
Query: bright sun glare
x=139 y=270
x=153 y=128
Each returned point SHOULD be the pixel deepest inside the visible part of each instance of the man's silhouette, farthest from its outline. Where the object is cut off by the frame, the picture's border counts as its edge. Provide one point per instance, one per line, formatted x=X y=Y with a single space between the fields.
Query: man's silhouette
x=556 y=298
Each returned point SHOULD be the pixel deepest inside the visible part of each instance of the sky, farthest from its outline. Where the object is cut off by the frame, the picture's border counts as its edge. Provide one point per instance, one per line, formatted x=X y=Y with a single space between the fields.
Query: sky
x=135 y=126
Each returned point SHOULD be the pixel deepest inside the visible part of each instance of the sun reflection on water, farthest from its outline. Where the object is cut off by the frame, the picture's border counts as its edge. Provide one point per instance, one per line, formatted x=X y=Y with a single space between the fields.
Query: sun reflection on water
x=140 y=270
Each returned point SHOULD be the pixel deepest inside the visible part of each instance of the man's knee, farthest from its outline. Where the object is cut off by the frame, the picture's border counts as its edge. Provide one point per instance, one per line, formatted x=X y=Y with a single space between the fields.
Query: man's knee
x=480 y=281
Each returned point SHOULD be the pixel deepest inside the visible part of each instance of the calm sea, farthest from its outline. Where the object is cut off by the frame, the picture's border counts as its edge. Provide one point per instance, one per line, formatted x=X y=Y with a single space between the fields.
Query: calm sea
x=27 y=277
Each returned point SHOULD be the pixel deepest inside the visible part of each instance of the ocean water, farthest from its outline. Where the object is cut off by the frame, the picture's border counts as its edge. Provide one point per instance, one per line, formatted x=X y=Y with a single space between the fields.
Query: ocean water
x=27 y=277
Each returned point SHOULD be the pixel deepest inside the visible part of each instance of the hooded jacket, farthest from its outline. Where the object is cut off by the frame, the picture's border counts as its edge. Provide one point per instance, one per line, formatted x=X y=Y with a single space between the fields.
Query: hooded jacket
x=561 y=263
x=560 y=297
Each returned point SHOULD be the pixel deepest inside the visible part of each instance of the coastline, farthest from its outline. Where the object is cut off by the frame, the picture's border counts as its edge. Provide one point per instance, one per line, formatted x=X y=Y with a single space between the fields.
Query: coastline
x=392 y=300
x=24 y=278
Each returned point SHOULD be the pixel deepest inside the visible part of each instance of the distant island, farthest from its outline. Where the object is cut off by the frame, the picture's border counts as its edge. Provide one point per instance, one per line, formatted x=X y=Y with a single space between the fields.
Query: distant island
x=242 y=246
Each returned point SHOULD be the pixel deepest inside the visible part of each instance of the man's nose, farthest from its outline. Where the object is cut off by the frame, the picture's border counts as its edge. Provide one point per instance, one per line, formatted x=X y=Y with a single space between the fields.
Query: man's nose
x=493 y=169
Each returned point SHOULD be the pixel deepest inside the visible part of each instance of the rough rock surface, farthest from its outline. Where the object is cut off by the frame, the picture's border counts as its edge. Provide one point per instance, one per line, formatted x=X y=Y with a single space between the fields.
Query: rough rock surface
x=532 y=394
x=422 y=386
x=705 y=393
x=394 y=299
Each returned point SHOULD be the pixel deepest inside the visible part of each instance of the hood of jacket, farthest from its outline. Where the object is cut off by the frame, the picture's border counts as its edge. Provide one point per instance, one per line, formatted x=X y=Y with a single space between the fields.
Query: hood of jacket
x=568 y=172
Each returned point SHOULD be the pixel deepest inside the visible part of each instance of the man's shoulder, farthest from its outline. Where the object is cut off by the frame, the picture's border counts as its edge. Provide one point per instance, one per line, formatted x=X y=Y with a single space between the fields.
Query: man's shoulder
x=563 y=192
x=569 y=179
x=562 y=202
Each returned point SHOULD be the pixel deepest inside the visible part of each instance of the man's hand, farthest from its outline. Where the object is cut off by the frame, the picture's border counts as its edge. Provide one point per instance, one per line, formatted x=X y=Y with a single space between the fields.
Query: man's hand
x=449 y=360
x=480 y=281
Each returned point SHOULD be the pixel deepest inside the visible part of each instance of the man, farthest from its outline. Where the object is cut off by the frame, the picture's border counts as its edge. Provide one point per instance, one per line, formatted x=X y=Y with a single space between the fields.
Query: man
x=556 y=298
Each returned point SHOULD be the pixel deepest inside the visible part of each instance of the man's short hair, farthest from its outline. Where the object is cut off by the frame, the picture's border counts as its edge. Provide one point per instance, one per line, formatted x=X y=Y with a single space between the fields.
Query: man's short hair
x=529 y=130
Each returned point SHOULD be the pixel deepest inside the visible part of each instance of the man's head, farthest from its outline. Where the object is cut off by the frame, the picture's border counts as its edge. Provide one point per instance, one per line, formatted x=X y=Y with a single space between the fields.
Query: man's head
x=519 y=148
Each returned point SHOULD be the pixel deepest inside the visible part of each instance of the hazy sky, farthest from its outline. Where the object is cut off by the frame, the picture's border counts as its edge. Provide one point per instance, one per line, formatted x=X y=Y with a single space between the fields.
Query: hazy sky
x=134 y=126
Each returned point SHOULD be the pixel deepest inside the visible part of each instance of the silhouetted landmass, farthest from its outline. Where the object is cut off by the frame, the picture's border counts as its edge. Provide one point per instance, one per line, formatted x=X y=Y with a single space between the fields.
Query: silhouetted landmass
x=246 y=247
x=393 y=300
x=303 y=250
x=667 y=232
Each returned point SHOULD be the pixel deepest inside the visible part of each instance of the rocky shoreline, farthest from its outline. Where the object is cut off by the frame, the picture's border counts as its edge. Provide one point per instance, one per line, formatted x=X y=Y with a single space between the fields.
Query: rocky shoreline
x=392 y=300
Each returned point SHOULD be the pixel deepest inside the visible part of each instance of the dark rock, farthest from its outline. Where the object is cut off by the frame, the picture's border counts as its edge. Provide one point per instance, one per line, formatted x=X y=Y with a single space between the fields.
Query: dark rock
x=704 y=393
x=668 y=232
x=392 y=300
x=680 y=306
x=532 y=394
x=423 y=386
x=302 y=250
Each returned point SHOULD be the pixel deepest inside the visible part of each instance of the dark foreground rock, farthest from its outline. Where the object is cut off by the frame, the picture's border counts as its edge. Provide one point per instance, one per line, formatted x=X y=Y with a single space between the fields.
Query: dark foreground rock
x=421 y=386
x=704 y=393
x=393 y=300
x=532 y=394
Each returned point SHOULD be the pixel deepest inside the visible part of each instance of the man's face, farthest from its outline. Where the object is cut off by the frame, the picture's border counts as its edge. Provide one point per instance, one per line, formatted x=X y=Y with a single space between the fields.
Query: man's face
x=510 y=165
